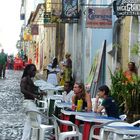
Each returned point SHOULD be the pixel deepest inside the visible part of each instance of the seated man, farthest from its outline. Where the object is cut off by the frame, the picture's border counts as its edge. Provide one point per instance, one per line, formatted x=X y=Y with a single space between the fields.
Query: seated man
x=108 y=103
x=68 y=92
x=67 y=96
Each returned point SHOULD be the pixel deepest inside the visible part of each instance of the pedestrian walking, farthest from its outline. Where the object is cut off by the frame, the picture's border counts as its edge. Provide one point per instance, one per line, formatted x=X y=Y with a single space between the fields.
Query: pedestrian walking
x=3 y=62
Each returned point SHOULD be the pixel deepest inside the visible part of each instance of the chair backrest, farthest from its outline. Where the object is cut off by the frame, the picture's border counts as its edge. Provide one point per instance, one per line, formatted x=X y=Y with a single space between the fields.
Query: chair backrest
x=37 y=117
x=41 y=105
x=58 y=122
x=123 y=117
x=113 y=123
x=136 y=123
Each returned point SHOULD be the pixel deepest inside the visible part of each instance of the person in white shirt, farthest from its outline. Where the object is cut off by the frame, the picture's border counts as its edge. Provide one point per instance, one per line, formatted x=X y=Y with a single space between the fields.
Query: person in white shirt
x=52 y=71
x=68 y=92
x=67 y=97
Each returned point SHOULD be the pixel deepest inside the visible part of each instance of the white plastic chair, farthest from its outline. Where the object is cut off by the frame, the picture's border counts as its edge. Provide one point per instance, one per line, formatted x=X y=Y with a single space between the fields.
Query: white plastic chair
x=74 y=133
x=102 y=136
x=44 y=105
x=136 y=123
x=125 y=137
x=101 y=133
x=123 y=117
x=38 y=129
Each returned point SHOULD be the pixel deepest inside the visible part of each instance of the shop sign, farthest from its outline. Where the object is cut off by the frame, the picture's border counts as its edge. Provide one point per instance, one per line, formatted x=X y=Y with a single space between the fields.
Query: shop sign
x=34 y=29
x=22 y=16
x=99 y=17
x=69 y=10
x=127 y=8
x=47 y=17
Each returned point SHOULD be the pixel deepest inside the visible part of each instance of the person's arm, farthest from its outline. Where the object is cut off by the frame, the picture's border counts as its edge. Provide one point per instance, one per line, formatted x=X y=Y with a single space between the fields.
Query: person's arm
x=73 y=103
x=23 y=89
x=98 y=108
x=89 y=103
x=73 y=99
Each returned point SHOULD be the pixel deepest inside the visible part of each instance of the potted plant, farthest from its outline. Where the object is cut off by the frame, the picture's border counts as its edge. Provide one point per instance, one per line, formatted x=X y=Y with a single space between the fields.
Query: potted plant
x=126 y=94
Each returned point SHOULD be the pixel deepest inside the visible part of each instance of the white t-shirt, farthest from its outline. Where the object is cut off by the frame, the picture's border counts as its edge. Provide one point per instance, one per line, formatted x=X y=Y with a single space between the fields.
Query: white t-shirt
x=52 y=77
x=68 y=97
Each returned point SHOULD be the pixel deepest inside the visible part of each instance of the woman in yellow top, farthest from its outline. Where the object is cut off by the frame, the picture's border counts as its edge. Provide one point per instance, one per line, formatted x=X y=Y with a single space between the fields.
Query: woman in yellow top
x=80 y=94
x=131 y=73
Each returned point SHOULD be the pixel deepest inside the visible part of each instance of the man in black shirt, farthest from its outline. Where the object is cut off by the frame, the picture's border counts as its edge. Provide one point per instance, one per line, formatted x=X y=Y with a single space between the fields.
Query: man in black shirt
x=108 y=103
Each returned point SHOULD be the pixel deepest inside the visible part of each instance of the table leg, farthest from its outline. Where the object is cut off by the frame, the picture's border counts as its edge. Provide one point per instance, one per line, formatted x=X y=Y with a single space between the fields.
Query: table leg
x=64 y=128
x=86 y=131
x=77 y=122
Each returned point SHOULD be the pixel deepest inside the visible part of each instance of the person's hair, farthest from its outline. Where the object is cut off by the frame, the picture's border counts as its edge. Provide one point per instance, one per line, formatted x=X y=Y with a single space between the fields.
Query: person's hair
x=27 y=68
x=54 y=63
x=68 y=82
x=82 y=86
x=67 y=55
x=104 y=88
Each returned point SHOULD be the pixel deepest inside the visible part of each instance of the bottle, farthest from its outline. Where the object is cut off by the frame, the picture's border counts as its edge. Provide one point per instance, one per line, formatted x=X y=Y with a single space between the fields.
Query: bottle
x=79 y=105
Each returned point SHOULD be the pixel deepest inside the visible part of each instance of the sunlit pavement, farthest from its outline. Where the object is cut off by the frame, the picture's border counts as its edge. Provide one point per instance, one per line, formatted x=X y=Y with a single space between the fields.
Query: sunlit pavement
x=12 y=115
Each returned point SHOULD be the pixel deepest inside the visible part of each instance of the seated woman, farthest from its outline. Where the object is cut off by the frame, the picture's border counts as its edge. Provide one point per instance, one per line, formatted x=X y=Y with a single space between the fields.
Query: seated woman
x=27 y=86
x=108 y=103
x=80 y=94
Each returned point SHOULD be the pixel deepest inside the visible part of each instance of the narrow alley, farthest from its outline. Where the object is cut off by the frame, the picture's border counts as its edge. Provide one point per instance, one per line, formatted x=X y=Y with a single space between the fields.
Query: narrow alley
x=12 y=117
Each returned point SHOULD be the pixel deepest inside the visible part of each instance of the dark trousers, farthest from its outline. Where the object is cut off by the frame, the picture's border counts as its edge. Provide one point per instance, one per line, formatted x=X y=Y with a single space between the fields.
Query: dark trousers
x=2 y=70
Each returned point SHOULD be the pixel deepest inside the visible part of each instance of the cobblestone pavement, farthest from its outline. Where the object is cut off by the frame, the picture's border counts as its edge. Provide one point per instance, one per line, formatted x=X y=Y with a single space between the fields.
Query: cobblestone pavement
x=12 y=117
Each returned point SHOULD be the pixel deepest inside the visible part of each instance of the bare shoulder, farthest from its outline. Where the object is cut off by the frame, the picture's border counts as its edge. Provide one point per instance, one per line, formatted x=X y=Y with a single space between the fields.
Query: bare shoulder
x=24 y=80
x=88 y=95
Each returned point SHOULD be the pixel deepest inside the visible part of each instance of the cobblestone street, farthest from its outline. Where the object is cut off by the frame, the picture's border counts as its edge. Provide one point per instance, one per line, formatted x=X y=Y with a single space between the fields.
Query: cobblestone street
x=12 y=117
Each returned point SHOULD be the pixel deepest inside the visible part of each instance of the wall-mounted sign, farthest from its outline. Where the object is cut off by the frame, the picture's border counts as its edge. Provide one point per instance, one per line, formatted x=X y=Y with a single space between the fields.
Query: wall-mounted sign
x=69 y=10
x=22 y=16
x=47 y=17
x=99 y=17
x=27 y=36
x=126 y=7
x=34 y=29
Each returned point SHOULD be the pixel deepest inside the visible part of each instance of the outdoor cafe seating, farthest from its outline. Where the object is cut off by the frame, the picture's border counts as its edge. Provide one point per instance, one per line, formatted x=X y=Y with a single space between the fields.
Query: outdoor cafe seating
x=90 y=121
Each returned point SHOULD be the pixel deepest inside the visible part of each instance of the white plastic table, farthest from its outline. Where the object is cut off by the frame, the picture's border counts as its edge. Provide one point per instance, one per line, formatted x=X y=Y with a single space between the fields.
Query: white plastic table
x=63 y=104
x=95 y=118
x=120 y=131
x=67 y=112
